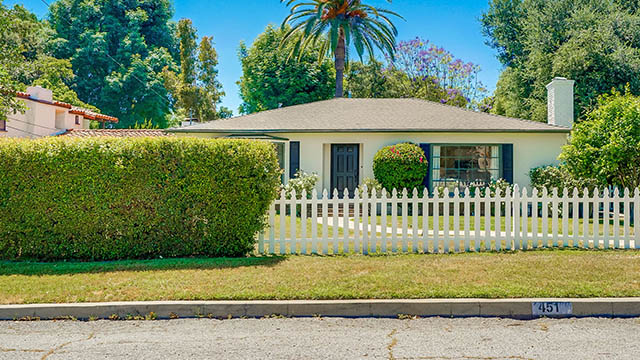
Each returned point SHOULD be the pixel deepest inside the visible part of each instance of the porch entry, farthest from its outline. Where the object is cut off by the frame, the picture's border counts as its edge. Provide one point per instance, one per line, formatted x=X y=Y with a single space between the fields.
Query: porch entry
x=345 y=167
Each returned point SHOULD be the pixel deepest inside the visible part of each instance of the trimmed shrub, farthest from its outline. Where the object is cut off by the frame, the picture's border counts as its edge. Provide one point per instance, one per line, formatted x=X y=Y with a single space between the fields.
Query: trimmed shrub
x=106 y=199
x=400 y=166
x=302 y=181
x=370 y=184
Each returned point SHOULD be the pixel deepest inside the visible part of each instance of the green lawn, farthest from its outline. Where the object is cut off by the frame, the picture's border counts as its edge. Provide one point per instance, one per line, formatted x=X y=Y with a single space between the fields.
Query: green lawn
x=543 y=273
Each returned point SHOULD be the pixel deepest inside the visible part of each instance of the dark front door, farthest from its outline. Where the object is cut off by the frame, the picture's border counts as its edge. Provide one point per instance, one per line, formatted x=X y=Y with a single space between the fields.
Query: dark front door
x=344 y=167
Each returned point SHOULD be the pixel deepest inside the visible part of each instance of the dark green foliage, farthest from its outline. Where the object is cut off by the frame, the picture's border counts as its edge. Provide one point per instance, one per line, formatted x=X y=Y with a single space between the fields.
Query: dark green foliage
x=105 y=199
x=595 y=42
x=118 y=49
x=268 y=81
x=26 y=59
x=400 y=166
x=606 y=146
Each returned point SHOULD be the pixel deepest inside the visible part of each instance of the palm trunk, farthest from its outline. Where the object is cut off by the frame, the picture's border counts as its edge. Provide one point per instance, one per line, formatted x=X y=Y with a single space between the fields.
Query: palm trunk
x=339 y=64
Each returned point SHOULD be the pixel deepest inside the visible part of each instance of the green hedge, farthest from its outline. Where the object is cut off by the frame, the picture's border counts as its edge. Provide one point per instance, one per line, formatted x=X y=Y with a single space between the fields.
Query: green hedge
x=400 y=166
x=104 y=199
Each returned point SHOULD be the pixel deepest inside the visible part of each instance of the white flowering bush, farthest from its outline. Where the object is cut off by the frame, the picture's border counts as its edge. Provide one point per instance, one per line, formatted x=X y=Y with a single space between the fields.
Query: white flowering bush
x=301 y=181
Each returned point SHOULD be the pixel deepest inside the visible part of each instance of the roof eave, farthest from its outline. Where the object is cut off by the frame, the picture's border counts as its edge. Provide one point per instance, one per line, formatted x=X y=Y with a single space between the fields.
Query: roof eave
x=254 y=131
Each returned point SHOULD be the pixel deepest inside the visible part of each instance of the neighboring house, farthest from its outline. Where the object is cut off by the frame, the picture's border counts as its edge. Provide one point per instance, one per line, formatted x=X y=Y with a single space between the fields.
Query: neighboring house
x=338 y=138
x=114 y=133
x=46 y=117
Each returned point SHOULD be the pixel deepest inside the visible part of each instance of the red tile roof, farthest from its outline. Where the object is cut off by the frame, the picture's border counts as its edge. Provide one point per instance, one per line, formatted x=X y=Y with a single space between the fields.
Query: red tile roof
x=92 y=115
x=73 y=110
x=115 y=132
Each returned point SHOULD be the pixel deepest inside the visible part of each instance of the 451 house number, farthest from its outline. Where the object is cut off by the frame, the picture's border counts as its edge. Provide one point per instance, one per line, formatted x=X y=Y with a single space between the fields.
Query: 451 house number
x=551 y=308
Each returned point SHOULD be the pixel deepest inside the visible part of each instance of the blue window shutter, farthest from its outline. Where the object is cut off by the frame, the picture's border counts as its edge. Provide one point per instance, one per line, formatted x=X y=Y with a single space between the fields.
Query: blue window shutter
x=294 y=158
x=427 y=151
x=507 y=162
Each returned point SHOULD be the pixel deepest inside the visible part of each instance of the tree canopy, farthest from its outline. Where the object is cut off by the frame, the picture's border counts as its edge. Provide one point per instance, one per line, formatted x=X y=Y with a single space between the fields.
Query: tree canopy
x=270 y=81
x=418 y=70
x=196 y=89
x=595 y=42
x=26 y=59
x=9 y=52
x=118 y=50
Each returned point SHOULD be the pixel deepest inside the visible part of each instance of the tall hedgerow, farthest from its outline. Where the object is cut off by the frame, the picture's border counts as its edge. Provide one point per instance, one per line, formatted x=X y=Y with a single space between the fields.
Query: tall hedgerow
x=103 y=199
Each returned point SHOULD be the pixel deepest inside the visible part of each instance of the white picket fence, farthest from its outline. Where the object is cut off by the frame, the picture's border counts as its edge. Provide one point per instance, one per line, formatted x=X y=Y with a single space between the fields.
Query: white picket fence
x=419 y=223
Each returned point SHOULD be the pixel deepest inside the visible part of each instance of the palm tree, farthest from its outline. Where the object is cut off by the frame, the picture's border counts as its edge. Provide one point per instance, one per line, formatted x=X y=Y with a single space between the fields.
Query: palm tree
x=335 y=24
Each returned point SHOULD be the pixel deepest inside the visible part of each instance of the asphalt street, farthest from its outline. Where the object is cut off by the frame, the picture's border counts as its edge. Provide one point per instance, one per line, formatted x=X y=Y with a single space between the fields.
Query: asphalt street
x=323 y=338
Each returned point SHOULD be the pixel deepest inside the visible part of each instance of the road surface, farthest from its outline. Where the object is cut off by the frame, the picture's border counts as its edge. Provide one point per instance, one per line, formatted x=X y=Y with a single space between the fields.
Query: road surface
x=323 y=338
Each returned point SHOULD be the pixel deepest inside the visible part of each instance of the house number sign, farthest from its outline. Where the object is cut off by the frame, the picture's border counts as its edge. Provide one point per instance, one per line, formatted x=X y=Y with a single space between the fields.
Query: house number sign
x=551 y=308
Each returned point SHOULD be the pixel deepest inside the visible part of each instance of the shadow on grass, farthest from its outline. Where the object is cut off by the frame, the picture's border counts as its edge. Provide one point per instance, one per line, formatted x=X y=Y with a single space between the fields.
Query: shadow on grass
x=67 y=268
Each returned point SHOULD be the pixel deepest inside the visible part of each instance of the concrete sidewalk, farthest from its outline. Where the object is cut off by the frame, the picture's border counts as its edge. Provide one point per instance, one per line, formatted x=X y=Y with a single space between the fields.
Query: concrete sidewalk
x=506 y=308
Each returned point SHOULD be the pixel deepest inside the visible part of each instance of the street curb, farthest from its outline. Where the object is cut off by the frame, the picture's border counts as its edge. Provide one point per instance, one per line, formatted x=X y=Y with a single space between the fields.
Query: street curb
x=504 y=308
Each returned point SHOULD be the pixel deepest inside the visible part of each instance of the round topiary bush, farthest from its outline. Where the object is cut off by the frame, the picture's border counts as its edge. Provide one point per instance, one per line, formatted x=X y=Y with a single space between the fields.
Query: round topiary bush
x=400 y=166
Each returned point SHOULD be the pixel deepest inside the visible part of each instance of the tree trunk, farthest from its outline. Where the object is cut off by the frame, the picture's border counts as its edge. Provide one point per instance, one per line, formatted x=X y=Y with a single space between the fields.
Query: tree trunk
x=339 y=64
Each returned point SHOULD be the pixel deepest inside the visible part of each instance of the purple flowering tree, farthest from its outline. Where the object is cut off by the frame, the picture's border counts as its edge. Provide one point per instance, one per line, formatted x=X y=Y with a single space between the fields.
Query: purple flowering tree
x=435 y=74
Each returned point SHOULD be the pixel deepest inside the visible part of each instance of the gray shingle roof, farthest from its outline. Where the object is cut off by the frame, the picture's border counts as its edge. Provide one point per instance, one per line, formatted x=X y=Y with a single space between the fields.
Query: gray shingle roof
x=371 y=115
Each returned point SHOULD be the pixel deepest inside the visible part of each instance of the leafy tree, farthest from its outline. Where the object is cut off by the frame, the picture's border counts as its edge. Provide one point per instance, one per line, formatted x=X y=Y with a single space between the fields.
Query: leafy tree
x=8 y=55
x=419 y=70
x=208 y=78
x=606 y=147
x=196 y=88
x=435 y=74
x=372 y=80
x=596 y=43
x=26 y=59
x=268 y=81
x=118 y=50
x=335 y=24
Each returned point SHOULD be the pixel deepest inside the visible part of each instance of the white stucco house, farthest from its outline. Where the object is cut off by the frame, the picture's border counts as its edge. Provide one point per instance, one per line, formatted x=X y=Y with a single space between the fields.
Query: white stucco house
x=45 y=116
x=338 y=138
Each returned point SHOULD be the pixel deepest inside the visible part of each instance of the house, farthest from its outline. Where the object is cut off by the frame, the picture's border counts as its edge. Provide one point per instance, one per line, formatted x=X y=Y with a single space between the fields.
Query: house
x=338 y=138
x=46 y=117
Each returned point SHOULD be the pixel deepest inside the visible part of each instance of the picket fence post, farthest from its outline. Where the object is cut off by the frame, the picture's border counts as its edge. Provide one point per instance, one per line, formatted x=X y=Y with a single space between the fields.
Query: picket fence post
x=303 y=222
x=436 y=221
x=365 y=221
x=425 y=220
x=345 y=221
x=314 y=221
x=283 y=219
x=334 y=221
x=293 y=217
x=383 y=221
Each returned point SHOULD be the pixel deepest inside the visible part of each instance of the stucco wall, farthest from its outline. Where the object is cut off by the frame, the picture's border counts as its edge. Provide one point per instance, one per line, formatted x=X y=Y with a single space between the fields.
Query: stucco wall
x=40 y=120
x=529 y=149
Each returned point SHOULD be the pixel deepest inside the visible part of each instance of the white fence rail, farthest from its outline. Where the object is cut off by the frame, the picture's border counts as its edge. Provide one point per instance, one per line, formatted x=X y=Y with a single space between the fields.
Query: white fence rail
x=419 y=223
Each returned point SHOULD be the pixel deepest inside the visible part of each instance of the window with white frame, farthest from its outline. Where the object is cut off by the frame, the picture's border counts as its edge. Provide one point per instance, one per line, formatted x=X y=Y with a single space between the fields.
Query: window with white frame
x=465 y=165
x=3 y=125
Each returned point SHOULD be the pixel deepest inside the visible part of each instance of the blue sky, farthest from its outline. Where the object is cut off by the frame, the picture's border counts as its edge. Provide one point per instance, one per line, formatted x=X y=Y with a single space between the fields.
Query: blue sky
x=451 y=24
